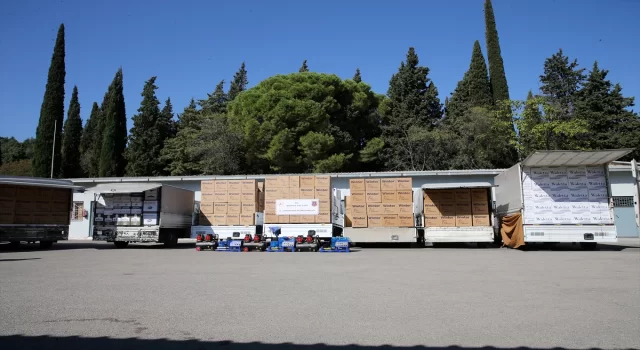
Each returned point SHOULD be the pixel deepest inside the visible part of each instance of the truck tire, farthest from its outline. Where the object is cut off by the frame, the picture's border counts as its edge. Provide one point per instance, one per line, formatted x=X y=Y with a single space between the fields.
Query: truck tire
x=120 y=244
x=171 y=240
x=46 y=244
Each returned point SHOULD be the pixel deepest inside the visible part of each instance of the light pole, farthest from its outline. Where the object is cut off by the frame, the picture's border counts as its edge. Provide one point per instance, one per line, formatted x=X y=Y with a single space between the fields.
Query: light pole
x=53 y=148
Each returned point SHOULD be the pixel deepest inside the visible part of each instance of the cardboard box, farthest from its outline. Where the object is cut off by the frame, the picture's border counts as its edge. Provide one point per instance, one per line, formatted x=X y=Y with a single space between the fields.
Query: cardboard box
x=390 y=209
x=23 y=205
x=404 y=184
x=294 y=219
x=42 y=206
x=249 y=197
x=374 y=209
x=234 y=208
x=359 y=209
x=374 y=197
x=430 y=196
x=271 y=182
x=432 y=221
x=463 y=208
x=481 y=220
x=8 y=191
x=432 y=209
x=270 y=218
x=6 y=218
x=447 y=196
x=23 y=218
x=307 y=181
x=25 y=192
x=357 y=185
x=307 y=219
x=322 y=193
x=405 y=208
x=323 y=218
x=249 y=207
x=249 y=186
x=294 y=181
x=375 y=221
x=7 y=204
x=270 y=205
x=307 y=193
x=219 y=196
x=206 y=207
x=44 y=193
x=447 y=209
x=283 y=219
x=479 y=195
x=389 y=196
x=372 y=185
x=448 y=221
x=204 y=219
x=208 y=186
x=480 y=208
x=325 y=205
x=405 y=221
x=463 y=196
x=390 y=220
x=272 y=193
x=149 y=219
x=388 y=184
x=234 y=197
x=247 y=219
x=322 y=181
x=233 y=219
x=464 y=220
x=359 y=221
x=405 y=196
x=358 y=197
x=221 y=186
x=206 y=196
x=283 y=181
x=59 y=218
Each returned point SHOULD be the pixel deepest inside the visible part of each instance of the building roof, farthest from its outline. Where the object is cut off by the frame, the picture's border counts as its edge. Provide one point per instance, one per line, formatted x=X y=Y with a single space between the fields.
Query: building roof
x=39 y=182
x=573 y=158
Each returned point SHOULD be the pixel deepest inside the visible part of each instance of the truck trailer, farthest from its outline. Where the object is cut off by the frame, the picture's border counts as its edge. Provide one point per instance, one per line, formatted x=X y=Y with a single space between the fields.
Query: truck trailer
x=558 y=197
x=35 y=209
x=126 y=213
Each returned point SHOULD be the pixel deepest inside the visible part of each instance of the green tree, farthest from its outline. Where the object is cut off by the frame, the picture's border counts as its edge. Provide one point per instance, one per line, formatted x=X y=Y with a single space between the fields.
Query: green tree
x=216 y=103
x=167 y=116
x=607 y=112
x=147 y=136
x=18 y=168
x=474 y=90
x=304 y=67
x=88 y=162
x=218 y=148
x=71 y=139
x=409 y=117
x=0 y=156
x=51 y=114
x=356 y=77
x=238 y=84
x=177 y=152
x=114 y=138
x=499 y=87
x=561 y=82
x=304 y=123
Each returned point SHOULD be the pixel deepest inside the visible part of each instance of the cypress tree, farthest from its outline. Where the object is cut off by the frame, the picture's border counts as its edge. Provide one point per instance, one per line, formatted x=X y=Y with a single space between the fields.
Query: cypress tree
x=304 y=67
x=499 y=87
x=51 y=112
x=88 y=143
x=474 y=89
x=71 y=139
x=356 y=77
x=114 y=138
x=238 y=84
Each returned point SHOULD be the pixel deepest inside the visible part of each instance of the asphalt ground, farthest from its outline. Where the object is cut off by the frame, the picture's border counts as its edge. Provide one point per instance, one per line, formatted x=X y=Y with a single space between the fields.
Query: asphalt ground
x=89 y=295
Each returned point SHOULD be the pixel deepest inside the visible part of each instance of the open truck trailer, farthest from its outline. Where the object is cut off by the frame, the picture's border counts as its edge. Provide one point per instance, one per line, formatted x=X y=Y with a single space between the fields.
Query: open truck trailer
x=126 y=213
x=558 y=197
x=35 y=209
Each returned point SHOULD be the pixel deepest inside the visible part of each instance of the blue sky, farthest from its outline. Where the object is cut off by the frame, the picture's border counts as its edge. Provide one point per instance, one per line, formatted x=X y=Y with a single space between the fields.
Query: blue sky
x=192 y=45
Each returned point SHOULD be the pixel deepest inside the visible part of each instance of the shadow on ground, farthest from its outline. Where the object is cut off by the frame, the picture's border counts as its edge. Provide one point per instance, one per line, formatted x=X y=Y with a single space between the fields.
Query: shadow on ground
x=70 y=245
x=47 y=342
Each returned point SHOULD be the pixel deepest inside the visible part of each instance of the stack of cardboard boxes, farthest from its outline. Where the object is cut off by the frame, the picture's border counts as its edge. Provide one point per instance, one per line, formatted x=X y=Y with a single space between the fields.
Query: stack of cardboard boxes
x=298 y=187
x=456 y=208
x=34 y=205
x=229 y=202
x=385 y=202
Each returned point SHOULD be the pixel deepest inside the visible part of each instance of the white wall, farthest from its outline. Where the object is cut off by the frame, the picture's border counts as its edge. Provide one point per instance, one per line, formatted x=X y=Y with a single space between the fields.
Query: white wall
x=621 y=183
x=80 y=229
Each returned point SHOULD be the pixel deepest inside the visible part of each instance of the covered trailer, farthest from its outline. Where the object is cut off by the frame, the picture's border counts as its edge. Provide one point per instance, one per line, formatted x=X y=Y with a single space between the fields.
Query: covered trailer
x=557 y=196
x=35 y=209
x=457 y=212
x=126 y=213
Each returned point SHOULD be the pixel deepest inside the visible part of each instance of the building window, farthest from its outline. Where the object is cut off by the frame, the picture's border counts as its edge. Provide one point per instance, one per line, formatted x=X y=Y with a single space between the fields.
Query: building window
x=77 y=212
x=623 y=202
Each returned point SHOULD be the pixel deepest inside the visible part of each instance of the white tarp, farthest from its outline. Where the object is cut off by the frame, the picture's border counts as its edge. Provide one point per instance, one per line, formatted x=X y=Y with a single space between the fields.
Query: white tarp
x=297 y=207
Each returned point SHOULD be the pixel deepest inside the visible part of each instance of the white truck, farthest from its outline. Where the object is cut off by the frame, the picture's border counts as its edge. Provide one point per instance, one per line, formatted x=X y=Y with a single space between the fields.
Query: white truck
x=35 y=209
x=126 y=213
x=562 y=196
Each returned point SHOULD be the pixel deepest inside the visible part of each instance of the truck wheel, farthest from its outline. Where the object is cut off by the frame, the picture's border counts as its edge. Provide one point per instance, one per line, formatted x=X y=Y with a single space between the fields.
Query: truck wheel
x=121 y=244
x=46 y=244
x=171 y=240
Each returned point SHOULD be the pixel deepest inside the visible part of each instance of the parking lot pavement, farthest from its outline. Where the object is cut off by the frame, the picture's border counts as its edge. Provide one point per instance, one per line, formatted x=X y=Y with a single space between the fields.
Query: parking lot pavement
x=151 y=297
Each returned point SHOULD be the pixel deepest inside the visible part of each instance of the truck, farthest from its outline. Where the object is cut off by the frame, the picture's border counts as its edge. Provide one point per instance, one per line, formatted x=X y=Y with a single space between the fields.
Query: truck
x=126 y=213
x=558 y=196
x=35 y=210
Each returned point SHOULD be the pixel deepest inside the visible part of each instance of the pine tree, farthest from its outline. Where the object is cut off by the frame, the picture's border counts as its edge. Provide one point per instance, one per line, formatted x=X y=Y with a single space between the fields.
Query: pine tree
x=146 y=137
x=606 y=111
x=304 y=67
x=71 y=139
x=88 y=161
x=356 y=77
x=51 y=114
x=560 y=83
x=177 y=152
x=238 y=84
x=498 y=78
x=474 y=90
x=114 y=138
x=167 y=114
x=216 y=103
